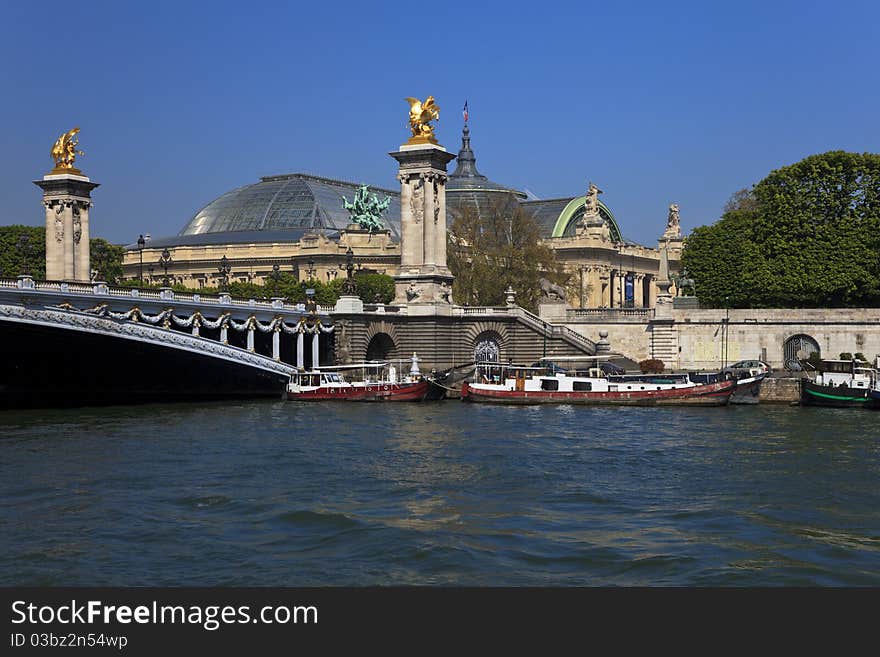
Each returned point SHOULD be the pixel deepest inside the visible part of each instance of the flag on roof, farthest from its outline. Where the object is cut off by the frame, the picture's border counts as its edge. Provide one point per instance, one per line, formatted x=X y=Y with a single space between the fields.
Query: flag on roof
x=464 y=112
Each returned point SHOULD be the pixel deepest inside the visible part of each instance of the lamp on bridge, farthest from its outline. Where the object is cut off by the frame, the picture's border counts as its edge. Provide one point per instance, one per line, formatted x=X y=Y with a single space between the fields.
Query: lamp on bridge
x=311 y=269
x=150 y=270
x=311 y=304
x=164 y=260
x=275 y=275
x=349 y=287
x=224 y=270
x=24 y=244
x=141 y=244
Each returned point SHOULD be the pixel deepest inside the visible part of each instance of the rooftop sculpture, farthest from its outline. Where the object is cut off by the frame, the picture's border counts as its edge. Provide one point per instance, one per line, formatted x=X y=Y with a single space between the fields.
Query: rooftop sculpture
x=366 y=209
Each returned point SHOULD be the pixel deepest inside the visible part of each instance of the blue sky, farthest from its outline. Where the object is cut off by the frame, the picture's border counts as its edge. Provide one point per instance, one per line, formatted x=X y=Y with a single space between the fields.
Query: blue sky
x=655 y=102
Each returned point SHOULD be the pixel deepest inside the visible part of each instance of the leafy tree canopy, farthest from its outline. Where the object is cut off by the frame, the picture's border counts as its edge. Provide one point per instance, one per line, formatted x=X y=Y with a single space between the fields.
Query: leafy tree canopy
x=488 y=254
x=807 y=235
x=24 y=248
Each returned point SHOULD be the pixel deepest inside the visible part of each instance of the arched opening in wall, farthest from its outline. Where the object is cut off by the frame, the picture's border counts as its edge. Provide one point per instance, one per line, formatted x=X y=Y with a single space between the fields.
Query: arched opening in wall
x=381 y=347
x=799 y=348
x=487 y=347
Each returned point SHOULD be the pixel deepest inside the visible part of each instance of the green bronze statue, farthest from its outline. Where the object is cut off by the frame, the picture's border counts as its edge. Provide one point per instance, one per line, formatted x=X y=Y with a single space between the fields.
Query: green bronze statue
x=366 y=209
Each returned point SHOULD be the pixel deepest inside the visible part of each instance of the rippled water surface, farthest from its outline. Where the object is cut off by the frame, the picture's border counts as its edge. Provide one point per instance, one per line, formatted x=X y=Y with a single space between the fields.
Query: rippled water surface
x=284 y=493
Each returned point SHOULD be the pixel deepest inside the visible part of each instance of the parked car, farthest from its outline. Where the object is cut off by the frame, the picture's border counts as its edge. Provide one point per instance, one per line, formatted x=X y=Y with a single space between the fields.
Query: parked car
x=746 y=368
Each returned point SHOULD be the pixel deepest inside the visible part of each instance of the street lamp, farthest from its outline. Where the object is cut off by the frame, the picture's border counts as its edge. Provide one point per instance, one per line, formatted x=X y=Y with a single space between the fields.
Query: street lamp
x=24 y=244
x=224 y=270
x=349 y=287
x=141 y=244
x=150 y=269
x=100 y=262
x=311 y=269
x=164 y=259
x=726 y=329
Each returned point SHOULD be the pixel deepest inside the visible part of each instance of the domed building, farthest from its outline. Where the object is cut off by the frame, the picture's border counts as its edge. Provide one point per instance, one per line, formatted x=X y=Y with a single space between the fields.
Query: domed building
x=297 y=223
x=285 y=207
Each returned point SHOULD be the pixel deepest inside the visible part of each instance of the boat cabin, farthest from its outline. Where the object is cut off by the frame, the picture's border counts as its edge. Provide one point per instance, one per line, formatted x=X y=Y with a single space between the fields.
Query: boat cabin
x=846 y=373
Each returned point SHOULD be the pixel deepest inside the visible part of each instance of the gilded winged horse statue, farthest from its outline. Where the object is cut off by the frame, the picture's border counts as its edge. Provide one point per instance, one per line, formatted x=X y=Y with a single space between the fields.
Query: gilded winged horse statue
x=420 y=117
x=64 y=151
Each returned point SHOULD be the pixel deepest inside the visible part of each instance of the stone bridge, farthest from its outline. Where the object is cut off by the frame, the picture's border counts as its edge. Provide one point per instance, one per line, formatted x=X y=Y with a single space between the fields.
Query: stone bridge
x=76 y=343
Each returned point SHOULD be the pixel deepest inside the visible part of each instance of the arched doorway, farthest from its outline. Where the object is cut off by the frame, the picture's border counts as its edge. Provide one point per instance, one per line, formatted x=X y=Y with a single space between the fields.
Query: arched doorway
x=487 y=347
x=797 y=348
x=380 y=347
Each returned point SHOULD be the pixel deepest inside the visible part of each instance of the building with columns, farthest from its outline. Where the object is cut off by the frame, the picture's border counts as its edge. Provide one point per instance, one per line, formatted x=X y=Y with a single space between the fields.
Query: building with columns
x=297 y=222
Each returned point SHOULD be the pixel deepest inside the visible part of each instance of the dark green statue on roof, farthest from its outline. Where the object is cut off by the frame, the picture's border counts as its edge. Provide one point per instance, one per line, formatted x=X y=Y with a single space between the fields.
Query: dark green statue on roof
x=366 y=209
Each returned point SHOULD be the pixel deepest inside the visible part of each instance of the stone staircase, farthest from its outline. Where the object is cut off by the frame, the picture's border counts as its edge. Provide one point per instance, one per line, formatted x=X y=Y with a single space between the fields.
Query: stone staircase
x=664 y=342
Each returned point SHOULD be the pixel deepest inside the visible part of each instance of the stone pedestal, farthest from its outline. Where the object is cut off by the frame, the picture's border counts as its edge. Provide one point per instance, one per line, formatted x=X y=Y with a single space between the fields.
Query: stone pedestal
x=424 y=283
x=349 y=304
x=67 y=199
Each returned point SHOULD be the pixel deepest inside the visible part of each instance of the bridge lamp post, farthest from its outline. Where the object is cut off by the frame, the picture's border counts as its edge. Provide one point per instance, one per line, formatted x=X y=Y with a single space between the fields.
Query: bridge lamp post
x=276 y=277
x=150 y=272
x=224 y=270
x=726 y=329
x=349 y=287
x=24 y=245
x=100 y=262
x=311 y=269
x=164 y=259
x=141 y=244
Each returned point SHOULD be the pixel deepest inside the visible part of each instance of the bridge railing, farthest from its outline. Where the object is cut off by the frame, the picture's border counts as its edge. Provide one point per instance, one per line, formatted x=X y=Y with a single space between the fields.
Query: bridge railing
x=100 y=288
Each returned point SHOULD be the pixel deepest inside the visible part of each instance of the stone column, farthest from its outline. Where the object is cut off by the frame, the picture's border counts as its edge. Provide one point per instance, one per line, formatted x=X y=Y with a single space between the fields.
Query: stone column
x=430 y=224
x=67 y=199
x=300 y=356
x=605 y=280
x=315 y=347
x=424 y=281
x=638 y=290
x=276 y=343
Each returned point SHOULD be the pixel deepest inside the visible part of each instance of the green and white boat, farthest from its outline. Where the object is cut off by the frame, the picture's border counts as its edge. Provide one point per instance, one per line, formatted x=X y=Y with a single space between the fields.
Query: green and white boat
x=840 y=384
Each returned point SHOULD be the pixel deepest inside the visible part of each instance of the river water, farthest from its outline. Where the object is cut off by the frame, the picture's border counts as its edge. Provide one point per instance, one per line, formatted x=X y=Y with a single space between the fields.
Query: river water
x=291 y=494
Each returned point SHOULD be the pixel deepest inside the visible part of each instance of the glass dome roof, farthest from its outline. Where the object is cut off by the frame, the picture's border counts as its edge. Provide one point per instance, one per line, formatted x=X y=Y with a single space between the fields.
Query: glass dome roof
x=290 y=202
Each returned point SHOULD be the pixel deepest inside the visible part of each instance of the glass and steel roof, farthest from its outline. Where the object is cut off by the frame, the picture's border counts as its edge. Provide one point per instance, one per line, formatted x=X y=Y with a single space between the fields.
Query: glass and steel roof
x=296 y=202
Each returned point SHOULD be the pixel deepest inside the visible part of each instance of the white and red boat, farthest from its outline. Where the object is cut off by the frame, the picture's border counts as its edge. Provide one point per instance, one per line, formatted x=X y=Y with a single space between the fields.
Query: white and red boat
x=514 y=384
x=378 y=382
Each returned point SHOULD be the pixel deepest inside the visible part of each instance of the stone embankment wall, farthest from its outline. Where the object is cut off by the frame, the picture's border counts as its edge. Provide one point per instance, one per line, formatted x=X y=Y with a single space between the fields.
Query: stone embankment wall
x=697 y=335
x=782 y=390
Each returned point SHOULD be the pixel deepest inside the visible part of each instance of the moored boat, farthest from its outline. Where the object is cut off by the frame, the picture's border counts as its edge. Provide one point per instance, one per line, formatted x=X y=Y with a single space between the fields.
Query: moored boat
x=840 y=384
x=748 y=385
x=379 y=383
x=513 y=384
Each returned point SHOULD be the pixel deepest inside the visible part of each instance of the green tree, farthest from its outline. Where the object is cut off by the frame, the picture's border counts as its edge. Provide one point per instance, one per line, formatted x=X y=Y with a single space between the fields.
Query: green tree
x=22 y=248
x=809 y=238
x=488 y=254
x=106 y=260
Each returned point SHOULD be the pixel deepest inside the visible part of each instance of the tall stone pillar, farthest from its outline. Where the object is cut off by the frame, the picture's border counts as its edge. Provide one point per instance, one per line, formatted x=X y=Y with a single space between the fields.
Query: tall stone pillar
x=424 y=283
x=67 y=199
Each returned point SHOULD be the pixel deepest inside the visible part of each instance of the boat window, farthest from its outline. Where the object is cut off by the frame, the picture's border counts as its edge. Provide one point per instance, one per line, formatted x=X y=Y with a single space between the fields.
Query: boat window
x=549 y=384
x=581 y=386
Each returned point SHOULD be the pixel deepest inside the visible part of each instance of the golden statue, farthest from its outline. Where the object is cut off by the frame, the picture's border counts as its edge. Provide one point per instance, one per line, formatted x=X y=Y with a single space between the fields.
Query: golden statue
x=420 y=117
x=64 y=152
